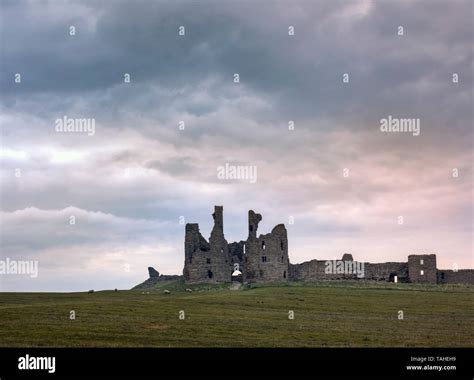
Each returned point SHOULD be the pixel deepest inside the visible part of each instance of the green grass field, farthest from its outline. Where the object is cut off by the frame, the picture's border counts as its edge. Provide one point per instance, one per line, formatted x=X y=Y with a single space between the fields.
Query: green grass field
x=335 y=314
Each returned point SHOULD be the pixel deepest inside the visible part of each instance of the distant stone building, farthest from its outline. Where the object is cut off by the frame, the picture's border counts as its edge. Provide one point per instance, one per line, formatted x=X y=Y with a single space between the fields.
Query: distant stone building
x=264 y=258
x=422 y=269
x=418 y=269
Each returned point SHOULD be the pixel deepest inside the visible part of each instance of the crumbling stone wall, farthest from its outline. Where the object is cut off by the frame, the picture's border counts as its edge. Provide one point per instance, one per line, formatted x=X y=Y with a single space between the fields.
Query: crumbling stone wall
x=195 y=250
x=267 y=257
x=461 y=276
x=315 y=270
x=307 y=271
x=386 y=271
x=207 y=262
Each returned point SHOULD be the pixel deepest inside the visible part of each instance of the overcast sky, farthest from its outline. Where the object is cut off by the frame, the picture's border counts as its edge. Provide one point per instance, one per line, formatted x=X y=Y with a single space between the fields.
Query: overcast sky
x=129 y=183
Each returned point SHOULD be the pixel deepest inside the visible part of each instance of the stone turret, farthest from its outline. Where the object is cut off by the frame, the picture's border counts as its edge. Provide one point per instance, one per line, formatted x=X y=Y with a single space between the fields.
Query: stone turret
x=254 y=219
x=218 y=229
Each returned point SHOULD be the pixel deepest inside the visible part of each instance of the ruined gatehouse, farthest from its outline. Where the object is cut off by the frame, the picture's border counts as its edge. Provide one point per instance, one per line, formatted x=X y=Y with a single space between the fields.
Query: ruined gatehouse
x=262 y=258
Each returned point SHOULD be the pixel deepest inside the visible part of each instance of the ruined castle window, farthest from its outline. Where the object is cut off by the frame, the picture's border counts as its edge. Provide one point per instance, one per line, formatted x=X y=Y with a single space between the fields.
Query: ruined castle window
x=244 y=248
x=209 y=274
x=281 y=258
x=281 y=244
x=284 y=274
x=263 y=244
x=422 y=272
x=264 y=259
x=208 y=261
x=442 y=275
x=421 y=262
x=222 y=250
x=250 y=228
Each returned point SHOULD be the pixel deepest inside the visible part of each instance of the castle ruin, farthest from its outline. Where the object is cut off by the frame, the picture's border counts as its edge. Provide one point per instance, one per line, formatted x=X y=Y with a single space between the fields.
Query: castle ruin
x=264 y=259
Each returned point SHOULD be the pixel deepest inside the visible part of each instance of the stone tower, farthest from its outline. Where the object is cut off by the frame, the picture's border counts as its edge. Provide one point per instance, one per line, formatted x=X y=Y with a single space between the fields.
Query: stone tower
x=266 y=257
x=207 y=262
x=422 y=269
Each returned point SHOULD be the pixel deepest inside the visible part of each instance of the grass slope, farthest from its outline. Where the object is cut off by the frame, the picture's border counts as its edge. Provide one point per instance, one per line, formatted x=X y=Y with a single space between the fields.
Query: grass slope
x=326 y=314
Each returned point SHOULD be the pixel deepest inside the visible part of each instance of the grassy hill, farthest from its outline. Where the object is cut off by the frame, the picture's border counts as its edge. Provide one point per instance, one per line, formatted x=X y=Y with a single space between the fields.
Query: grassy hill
x=336 y=314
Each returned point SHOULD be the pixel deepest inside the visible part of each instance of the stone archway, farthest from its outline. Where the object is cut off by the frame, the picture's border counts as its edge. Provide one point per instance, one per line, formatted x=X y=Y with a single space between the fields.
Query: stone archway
x=237 y=276
x=237 y=280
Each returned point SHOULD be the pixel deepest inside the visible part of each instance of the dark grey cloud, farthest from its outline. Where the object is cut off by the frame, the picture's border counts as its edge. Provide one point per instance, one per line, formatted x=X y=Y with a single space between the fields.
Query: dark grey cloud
x=299 y=73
